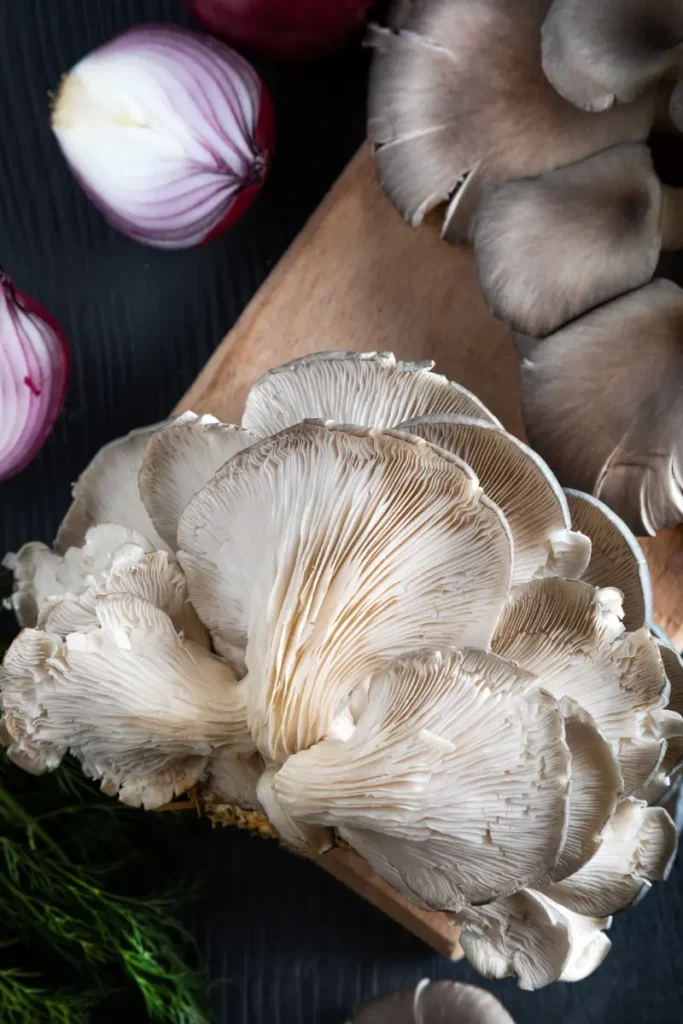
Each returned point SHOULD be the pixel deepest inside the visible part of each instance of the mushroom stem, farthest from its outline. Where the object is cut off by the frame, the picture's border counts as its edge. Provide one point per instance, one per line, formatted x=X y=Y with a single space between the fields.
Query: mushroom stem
x=671 y=218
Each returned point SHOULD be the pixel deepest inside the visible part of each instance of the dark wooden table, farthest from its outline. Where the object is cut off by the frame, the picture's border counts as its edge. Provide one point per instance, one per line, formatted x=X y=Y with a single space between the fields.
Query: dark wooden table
x=285 y=943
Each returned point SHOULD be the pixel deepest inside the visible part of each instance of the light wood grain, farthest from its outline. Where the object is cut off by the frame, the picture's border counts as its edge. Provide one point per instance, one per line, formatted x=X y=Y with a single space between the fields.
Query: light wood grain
x=358 y=278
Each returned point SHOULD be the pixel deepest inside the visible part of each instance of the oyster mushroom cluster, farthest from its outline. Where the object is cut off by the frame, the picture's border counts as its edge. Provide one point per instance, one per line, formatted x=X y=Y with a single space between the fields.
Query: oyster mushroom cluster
x=529 y=119
x=371 y=614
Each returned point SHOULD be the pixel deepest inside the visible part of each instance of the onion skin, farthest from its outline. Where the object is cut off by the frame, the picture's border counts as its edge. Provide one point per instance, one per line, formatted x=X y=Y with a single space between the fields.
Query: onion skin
x=171 y=134
x=34 y=374
x=283 y=29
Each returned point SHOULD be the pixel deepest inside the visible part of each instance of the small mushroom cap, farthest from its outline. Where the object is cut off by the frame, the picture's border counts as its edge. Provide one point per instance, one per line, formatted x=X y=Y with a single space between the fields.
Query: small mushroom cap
x=178 y=460
x=35 y=578
x=529 y=937
x=420 y=780
x=107 y=492
x=605 y=409
x=334 y=550
x=151 y=576
x=139 y=706
x=550 y=248
x=41 y=576
x=638 y=848
x=572 y=639
x=440 y=1002
x=457 y=85
x=617 y=559
x=523 y=488
x=600 y=52
x=597 y=784
x=367 y=389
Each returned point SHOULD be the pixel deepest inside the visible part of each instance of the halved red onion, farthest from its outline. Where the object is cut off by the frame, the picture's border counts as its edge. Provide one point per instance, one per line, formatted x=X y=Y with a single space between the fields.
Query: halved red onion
x=170 y=133
x=289 y=29
x=34 y=371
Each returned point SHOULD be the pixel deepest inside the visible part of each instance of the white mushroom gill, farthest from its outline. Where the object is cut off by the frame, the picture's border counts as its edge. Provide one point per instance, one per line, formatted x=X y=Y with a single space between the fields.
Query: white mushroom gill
x=404 y=663
x=141 y=707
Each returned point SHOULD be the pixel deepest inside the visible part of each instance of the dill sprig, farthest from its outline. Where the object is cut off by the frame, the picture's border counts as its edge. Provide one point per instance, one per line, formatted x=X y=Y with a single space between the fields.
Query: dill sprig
x=71 y=920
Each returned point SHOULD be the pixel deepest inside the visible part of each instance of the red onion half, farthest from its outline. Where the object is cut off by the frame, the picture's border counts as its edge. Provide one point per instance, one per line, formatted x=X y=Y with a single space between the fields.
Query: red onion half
x=170 y=133
x=34 y=371
x=283 y=28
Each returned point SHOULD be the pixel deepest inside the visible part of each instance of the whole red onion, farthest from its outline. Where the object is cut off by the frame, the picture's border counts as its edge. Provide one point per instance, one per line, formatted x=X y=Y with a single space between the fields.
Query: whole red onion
x=290 y=29
x=170 y=133
x=34 y=372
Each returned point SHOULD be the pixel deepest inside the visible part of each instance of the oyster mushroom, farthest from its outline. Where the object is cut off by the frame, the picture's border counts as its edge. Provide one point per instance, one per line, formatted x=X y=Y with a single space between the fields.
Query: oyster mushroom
x=658 y=786
x=474 y=740
x=600 y=54
x=140 y=707
x=332 y=549
x=572 y=638
x=41 y=575
x=605 y=409
x=617 y=558
x=524 y=489
x=550 y=248
x=367 y=389
x=439 y=1002
x=530 y=937
x=457 y=89
x=178 y=460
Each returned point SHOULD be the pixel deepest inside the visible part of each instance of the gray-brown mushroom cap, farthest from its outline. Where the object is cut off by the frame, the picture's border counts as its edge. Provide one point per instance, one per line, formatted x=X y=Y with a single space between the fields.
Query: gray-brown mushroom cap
x=552 y=247
x=603 y=404
x=441 y=1002
x=457 y=85
x=617 y=559
x=598 y=53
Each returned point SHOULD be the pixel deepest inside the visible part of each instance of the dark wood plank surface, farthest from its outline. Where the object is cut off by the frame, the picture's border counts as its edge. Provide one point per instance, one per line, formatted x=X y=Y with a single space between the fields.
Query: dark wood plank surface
x=285 y=943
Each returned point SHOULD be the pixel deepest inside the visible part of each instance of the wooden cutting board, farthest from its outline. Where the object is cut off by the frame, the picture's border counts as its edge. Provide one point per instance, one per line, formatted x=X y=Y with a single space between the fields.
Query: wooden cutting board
x=359 y=278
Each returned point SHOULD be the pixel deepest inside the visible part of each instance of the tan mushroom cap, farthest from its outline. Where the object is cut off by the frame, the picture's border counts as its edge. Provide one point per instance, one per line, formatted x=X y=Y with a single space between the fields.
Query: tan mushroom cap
x=457 y=775
x=617 y=559
x=603 y=404
x=139 y=706
x=178 y=460
x=107 y=492
x=439 y=1002
x=598 y=53
x=552 y=247
x=637 y=849
x=367 y=389
x=335 y=549
x=530 y=937
x=151 y=576
x=523 y=488
x=457 y=85
x=571 y=637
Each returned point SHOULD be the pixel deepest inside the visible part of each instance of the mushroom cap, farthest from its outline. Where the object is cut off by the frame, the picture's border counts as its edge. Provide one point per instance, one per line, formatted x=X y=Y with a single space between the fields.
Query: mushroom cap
x=571 y=637
x=419 y=781
x=457 y=85
x=139 y=706
x=35 y=568
x=439 y=1002
x=530 y=937
x=151 y=576
x=550 y=248
x=605 y=409
x=367 y=389
x=334 y=549
x=43 y=577
x=637 y=848
x=597 y=54
x=178 y=460
x=617 y=559
x=107 y=492
x=523 y=488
